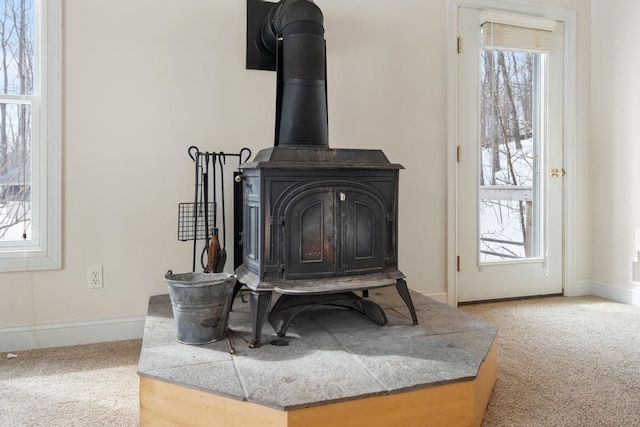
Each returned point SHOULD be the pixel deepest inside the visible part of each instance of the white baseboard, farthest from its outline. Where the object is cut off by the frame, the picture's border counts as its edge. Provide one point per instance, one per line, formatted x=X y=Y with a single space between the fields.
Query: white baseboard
x=578 y=289
x=72 y=333
x=625 y=294
x=438 y=296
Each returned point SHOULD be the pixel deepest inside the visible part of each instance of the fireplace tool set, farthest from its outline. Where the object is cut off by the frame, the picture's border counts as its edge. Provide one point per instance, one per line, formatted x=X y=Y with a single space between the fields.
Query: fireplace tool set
x=201 y=301
x=198 y=220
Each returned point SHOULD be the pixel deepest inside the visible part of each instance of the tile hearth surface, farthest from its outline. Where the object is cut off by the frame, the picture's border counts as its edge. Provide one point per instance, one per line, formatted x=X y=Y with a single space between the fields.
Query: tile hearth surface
x=331 y=354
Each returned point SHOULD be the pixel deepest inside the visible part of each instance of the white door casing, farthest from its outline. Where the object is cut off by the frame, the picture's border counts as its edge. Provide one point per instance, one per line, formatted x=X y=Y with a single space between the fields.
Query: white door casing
x=539 y=275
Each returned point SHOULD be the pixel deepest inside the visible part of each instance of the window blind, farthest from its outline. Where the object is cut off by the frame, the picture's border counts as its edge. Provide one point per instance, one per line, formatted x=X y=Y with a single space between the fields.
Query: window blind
x=509 y=31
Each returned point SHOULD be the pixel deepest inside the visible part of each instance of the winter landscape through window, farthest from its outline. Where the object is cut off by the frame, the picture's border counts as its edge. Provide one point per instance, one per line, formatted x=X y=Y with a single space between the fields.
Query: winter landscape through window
x=511 y=101
x=17 y=66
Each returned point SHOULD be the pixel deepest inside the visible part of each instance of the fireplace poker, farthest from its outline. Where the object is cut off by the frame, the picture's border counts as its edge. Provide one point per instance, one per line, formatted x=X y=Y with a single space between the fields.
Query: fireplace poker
x=205 y=199
x=231 y=332
x=194 y=154
x=232 y=349
x=213 y=247
x=222 y=257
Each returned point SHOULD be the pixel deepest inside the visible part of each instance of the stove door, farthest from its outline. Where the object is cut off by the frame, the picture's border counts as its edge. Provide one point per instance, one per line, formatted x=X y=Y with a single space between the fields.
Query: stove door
x=361 y=233
x=333 y=231
x=309 y=233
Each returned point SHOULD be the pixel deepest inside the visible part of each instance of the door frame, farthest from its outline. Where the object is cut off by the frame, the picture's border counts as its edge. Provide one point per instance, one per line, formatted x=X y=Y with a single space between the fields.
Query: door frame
x=568 y=17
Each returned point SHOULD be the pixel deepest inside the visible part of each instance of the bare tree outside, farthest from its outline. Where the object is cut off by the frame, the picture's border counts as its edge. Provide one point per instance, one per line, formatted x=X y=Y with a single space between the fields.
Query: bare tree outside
x=509 y=155
x=17 y=78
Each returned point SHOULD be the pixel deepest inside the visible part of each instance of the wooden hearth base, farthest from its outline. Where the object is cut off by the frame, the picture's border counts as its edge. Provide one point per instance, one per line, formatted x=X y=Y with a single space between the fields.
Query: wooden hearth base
x=333 y=368
x=456 y=404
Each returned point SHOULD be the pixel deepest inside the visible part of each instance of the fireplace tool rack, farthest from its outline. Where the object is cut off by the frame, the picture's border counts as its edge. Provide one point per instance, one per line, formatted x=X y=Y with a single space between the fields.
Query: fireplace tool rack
x=198 y=220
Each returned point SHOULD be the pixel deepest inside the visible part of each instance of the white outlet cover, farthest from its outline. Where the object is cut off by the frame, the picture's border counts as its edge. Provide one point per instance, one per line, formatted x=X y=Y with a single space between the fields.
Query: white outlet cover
x=94 y=277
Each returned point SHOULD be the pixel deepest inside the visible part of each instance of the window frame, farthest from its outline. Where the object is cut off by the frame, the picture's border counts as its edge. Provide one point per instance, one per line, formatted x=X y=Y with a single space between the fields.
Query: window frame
x=46 y=254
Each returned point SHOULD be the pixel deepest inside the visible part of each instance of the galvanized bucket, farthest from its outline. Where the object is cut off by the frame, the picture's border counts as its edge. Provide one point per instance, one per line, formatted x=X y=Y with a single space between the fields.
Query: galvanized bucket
x=201 y=303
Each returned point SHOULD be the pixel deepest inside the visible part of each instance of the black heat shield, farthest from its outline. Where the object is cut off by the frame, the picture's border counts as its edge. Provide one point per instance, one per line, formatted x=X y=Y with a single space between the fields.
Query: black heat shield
x=290 y=35
x=258 y=55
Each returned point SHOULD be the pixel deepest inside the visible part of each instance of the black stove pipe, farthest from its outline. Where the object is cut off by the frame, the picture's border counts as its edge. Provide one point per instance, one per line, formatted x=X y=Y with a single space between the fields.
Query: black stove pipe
x=302 y=98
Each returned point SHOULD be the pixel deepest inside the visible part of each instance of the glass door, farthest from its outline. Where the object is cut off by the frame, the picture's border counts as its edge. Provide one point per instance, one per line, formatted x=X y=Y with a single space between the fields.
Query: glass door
x=510 y=140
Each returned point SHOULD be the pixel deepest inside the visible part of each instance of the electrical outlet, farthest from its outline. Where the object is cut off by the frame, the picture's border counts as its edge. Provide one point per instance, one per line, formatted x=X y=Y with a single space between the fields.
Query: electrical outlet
x=94 y=277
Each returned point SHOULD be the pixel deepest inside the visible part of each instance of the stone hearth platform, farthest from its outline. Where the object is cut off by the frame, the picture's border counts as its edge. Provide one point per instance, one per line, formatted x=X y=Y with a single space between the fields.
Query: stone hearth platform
x=337 y=368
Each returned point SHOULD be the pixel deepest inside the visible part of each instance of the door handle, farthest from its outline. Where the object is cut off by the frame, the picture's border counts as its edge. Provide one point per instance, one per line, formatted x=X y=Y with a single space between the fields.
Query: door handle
x=555 y=172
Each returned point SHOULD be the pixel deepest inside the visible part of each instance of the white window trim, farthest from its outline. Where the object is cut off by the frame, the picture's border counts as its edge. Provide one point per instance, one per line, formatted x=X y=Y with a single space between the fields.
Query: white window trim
x=48 y=158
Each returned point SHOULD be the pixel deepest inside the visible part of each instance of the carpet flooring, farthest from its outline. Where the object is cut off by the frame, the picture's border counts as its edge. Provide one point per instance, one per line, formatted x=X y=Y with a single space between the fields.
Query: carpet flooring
x=564 y=362
x=561 y=362
x=83 y=386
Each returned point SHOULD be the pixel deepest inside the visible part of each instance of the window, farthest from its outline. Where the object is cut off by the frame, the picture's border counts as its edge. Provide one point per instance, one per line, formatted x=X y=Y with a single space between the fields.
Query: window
x=30 y=134
x=513 y=69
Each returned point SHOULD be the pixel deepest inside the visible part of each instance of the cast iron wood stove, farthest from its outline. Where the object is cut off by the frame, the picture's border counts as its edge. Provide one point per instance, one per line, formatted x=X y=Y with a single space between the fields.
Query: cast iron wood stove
x=318 y=223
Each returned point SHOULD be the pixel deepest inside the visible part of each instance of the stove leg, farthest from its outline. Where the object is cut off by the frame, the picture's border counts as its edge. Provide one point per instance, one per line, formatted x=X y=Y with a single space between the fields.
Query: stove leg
x=259 y=302
x=403 y=290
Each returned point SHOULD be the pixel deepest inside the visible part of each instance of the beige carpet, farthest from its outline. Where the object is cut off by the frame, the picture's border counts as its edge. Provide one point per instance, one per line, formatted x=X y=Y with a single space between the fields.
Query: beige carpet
x=89 y=385
x=562 y=362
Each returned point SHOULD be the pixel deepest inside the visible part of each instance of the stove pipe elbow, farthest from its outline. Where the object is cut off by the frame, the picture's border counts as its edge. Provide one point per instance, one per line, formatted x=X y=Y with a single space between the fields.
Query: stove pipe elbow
x=303 y=99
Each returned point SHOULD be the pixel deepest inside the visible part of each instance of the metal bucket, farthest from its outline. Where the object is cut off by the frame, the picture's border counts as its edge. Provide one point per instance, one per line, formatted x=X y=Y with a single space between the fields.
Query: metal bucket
x=201 y=303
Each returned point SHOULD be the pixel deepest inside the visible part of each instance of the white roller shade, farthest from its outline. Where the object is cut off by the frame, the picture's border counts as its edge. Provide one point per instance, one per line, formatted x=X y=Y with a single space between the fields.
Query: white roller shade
x=509 y=31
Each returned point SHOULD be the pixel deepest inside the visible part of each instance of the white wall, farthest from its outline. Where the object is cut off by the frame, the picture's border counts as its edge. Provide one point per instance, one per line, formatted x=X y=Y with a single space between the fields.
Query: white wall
x=145 y=79
x=615 y=111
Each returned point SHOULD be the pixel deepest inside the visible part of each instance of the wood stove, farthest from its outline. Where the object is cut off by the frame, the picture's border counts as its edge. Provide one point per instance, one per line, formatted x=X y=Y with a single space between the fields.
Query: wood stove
x=318 y=223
